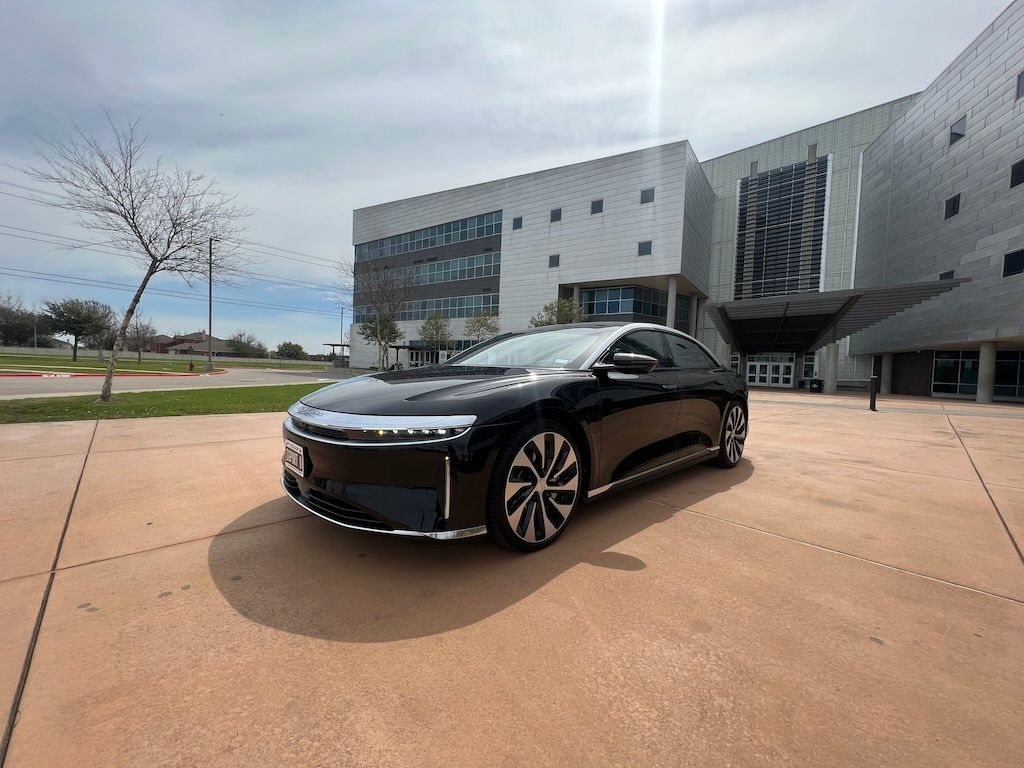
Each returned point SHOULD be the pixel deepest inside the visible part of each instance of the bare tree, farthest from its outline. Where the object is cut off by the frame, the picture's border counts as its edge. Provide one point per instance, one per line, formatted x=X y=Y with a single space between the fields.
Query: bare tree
x=164 y=216
x=141 y=333
x=379 y=289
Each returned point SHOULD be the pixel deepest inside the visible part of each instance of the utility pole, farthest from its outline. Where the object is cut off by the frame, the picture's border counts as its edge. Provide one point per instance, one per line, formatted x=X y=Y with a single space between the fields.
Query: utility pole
x=209 y=325
x=341 y=340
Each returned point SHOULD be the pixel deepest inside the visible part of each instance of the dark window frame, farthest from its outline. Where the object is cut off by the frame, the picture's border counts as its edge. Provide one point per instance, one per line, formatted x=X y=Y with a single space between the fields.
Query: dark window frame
x=648 y=194
x=707 y=362
x=1017 y=174
x=1013 y=263
x=553 y=260
x=952 y=206
x=640 y=248
x=956 y=134
x=596 y=206
x=556 y=215
x=949 y=274
x=1020 y=85
x=517 y=222
x=665 y=361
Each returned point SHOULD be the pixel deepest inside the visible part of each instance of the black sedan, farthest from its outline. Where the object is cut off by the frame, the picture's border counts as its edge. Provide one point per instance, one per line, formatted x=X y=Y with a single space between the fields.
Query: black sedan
x=511 y=436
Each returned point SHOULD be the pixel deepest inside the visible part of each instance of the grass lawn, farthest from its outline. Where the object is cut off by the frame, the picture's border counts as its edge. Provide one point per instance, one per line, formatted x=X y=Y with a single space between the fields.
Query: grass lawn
x=185 y=402
x=88 y=362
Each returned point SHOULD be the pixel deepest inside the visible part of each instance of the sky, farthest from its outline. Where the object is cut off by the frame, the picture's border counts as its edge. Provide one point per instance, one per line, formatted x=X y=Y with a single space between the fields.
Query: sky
x=307 y=110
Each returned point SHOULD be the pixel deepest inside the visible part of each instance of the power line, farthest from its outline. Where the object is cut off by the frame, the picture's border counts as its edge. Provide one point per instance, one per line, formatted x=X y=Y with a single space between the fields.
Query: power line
x=56 y=277
x=315 y=260
x=81 y=245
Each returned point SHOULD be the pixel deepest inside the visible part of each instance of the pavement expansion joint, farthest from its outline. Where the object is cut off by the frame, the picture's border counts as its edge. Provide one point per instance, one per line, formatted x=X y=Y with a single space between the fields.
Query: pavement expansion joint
x=839 y=552
x=19 y=691
x=988 y=493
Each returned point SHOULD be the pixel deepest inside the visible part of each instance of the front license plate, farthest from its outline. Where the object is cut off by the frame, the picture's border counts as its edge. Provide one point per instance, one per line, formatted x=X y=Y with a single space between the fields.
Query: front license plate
x=295 y=458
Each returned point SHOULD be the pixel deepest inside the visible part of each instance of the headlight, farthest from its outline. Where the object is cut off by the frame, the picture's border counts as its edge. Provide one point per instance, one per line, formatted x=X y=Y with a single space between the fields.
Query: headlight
x=355 y=429
x=391 y=435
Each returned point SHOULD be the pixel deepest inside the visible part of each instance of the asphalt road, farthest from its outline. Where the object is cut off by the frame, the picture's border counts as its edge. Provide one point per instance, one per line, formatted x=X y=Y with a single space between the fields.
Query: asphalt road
x=17 y=387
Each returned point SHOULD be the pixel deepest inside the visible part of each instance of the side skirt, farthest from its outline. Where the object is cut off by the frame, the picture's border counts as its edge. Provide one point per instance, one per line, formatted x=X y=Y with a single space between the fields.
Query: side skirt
x=650 y=474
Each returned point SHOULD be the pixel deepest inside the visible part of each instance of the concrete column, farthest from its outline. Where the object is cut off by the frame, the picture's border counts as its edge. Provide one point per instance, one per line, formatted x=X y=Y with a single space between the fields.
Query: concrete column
x=670 y=314
x=885 y=380
x=575 y=294
x=694 y=310
x=831 y=383
x=986 y=371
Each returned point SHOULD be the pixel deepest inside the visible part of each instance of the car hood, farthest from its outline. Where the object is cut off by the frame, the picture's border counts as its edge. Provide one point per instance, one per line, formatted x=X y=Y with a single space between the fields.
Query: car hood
x=421 y=391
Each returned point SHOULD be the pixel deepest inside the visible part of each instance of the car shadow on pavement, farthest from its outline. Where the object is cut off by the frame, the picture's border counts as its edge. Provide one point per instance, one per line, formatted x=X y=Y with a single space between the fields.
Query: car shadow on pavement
x=308 y=577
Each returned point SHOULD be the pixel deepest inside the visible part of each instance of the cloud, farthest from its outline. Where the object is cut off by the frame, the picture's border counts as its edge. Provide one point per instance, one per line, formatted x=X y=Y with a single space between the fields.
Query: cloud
x=309 y=110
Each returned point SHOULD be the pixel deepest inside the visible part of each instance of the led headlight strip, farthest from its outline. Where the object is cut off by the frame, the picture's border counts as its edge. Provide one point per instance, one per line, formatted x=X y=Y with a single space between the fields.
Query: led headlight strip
x=361 y=429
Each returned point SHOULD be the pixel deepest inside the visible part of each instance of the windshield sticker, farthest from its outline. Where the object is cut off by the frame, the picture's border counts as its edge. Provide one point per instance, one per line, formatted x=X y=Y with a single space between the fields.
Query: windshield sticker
x=561 y=361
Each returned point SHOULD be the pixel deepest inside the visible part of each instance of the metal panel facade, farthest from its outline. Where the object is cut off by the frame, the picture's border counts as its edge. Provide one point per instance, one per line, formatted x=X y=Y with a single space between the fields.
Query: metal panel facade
x=912 y=169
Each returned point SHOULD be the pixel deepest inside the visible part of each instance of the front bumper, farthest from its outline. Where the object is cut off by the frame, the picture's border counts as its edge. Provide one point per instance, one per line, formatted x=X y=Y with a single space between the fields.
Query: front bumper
x=436 y=489
x=290 y=484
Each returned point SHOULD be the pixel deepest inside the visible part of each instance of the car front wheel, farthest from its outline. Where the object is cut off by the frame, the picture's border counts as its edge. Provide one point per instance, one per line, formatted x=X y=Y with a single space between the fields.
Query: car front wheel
x=534 y=489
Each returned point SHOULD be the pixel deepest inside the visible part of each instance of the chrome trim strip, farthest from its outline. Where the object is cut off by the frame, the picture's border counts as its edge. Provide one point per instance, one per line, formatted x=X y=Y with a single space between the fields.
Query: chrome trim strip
x=338 y=420
x=447 y=486
x=459 y=533
x=608 y=486
x=291 y=427
x=623 y=330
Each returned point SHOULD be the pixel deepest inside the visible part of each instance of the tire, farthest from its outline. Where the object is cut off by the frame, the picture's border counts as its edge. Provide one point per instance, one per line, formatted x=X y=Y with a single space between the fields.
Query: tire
x=734 y=436
x=538 y=470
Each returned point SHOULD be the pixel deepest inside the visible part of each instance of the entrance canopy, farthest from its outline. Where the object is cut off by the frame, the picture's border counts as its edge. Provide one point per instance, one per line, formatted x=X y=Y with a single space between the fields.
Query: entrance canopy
x=804 y=322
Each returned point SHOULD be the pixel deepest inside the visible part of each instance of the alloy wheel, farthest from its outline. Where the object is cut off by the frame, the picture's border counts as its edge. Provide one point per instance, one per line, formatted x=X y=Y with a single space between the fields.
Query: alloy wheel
x=541 y=487
x=735 y=434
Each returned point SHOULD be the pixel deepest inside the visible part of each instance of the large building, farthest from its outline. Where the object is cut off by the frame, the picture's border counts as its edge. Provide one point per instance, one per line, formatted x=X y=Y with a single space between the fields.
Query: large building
x=785 y=258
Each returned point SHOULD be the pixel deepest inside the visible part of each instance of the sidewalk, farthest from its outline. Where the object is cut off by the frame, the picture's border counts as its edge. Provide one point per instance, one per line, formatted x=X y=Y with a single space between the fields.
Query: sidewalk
x=850 y=594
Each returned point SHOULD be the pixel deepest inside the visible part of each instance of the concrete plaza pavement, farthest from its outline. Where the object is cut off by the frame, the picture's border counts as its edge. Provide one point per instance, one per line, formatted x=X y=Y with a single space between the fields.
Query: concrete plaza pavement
x=850 y=594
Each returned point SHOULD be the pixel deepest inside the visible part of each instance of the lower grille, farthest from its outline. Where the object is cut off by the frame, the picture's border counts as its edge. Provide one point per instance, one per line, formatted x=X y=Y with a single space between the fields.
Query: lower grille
x=332 y=508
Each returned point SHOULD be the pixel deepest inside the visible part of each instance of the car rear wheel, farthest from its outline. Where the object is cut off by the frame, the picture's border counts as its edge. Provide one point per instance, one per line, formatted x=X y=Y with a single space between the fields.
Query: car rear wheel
x=534 y=489
x=734 y=436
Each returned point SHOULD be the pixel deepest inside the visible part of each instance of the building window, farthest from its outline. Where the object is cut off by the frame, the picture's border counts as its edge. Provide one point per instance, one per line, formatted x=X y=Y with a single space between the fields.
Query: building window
x=1017 y=174
x=596 y=206
x=780 y=226
x=448 y=306
x=644 y=248
x=552 y=261
x=1013 y=263
x=556 y=214
x=646 y=196
x=953 y=206
x=957 y=130
x=464 y=268
x=1020 y=85
x=1009 y=381
x=517 y=222
x=947 y=275
x=955 y=372
x=484 y=225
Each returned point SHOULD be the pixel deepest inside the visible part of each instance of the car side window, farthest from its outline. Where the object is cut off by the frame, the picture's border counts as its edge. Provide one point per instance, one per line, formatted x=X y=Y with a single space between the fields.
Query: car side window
x=649 y=343
x=686 y=354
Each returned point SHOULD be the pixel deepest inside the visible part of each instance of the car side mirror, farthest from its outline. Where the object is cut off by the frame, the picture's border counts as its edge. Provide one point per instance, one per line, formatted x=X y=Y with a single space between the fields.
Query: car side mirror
x=628 y=362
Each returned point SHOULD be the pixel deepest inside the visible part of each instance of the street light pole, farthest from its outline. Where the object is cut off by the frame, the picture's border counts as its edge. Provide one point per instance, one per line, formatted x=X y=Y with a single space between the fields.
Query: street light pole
x=209 y=325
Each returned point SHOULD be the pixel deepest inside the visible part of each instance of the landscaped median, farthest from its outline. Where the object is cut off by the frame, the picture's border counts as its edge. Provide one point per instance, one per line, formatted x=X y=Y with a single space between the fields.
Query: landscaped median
x=186 y=402
x=129 y=364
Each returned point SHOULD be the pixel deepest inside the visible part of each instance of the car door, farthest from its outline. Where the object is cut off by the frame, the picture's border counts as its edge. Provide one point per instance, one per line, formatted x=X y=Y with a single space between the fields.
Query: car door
x=704 y=394
x=639 y=411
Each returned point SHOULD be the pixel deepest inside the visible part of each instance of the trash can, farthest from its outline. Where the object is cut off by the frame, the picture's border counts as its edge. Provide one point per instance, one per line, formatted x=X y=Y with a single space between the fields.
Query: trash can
x=817 y=385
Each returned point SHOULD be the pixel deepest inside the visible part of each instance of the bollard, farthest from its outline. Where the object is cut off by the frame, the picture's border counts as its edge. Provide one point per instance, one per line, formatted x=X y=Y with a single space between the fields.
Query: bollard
x=874 y=392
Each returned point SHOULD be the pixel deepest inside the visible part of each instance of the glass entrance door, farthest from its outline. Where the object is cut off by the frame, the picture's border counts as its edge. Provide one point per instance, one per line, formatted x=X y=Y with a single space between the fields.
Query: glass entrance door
x=770 y=370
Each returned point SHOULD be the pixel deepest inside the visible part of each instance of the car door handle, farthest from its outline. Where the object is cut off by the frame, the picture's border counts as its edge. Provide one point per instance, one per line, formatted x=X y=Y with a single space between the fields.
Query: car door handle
x=670 y=387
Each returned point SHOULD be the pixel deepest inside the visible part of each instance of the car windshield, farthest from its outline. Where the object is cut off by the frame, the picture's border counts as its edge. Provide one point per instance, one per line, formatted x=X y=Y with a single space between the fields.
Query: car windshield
x=561 y=348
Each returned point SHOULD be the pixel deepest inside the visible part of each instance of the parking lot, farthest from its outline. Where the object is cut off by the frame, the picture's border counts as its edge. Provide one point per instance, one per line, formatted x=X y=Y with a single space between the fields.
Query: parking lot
x=850 y=594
